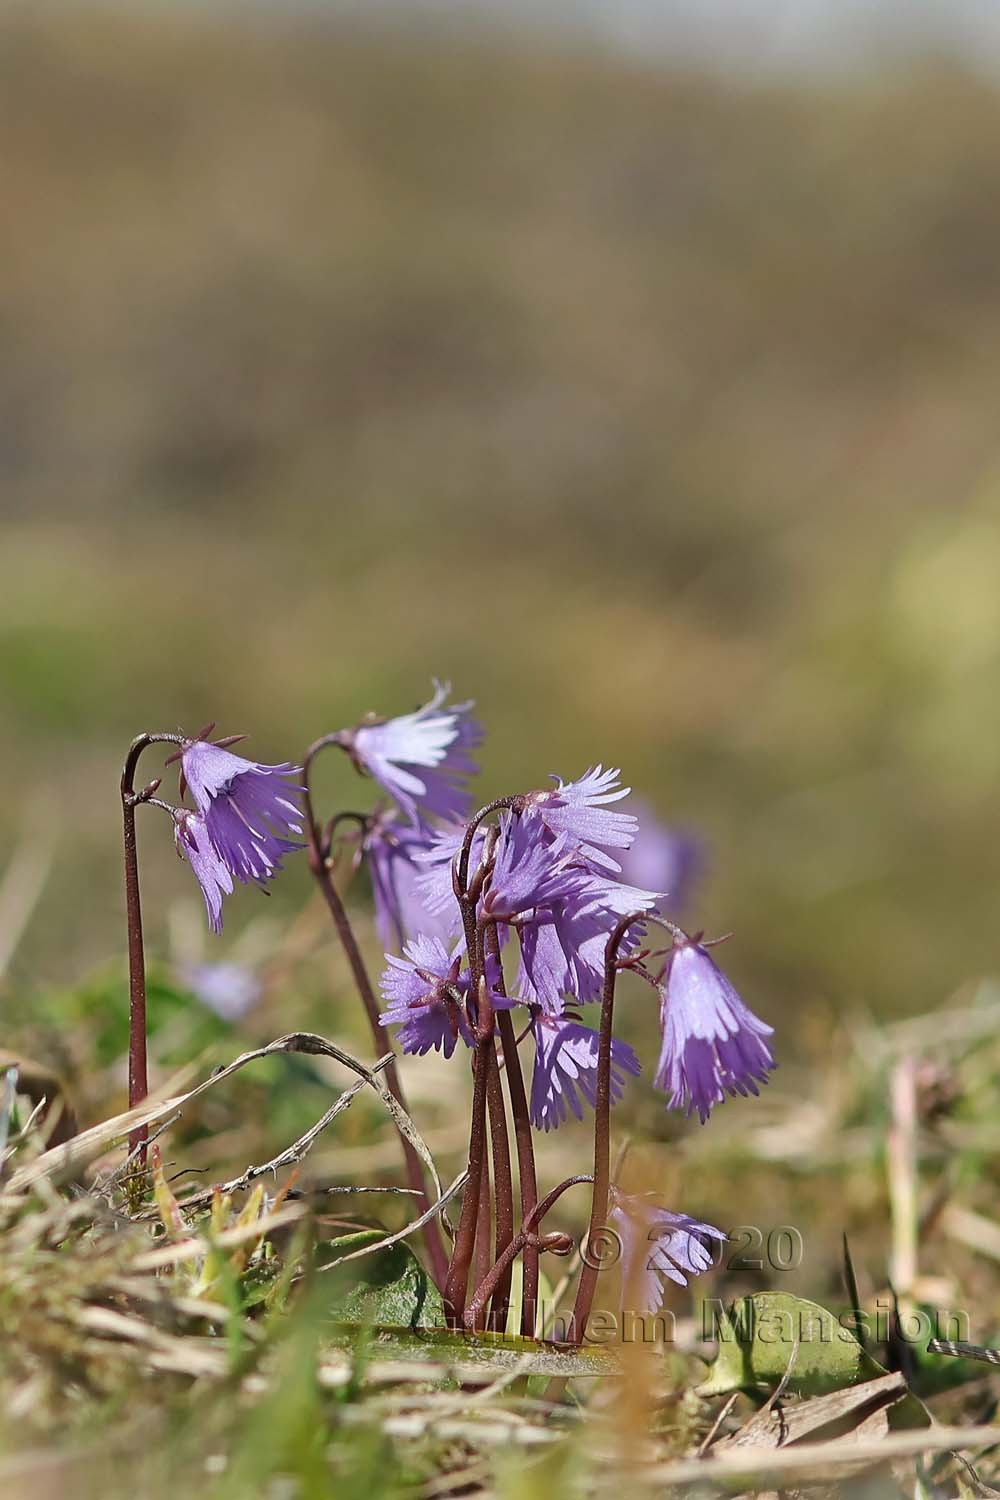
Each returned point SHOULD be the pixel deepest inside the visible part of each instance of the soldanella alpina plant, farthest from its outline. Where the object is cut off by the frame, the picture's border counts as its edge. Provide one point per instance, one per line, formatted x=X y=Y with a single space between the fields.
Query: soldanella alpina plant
x=500 y=930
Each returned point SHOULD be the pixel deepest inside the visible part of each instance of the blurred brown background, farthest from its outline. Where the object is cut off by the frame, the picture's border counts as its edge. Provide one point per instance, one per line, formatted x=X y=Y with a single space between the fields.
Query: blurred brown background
x=654 y=406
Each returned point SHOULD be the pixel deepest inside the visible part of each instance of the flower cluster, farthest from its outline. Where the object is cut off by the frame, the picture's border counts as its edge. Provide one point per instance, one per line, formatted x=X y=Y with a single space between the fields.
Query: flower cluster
x=503 y=928
x=551 y=880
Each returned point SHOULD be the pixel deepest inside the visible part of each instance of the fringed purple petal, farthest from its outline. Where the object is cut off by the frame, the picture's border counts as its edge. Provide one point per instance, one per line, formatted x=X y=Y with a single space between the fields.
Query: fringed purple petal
x=421 y=759
x=712 y=1044
x=194 y=844
x=579 y=809
x=657 y=1244
x=565 y=1074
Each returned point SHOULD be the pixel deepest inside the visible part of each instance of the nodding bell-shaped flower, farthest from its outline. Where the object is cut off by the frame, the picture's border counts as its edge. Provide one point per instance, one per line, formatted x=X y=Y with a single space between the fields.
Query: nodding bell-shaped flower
x=424 y=993
x=247 y=808
x=579 y=810
x=421 y=759
x=657 y=1246
x=394 y=852
x=712 y=1044
x=565 y=1076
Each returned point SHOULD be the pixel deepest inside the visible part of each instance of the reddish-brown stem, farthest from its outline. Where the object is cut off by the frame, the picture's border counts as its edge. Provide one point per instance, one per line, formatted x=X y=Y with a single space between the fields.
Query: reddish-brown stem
x=526 y=1239
x=504 y=1186
x=497 y=805
x=456 y=1284
x=138 y=1081
x=602 y=1126
x=483 y=1256
x=318 y=856
x=527 y=1178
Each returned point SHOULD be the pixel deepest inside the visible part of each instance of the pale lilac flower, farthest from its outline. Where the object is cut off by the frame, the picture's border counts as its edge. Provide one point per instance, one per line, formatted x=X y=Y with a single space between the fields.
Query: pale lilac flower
x=530 y=870
x=657 y=1245
x=247 y=808
x=712 y=1043
x=562 y=946
x=565 y=1075
x=435 y=883
x=545 y=885
x=663 y=859
x=393 y=851
x=579 y=809
x=194 y=844
x=423 y=992
x=421 y=759
x=230 y=989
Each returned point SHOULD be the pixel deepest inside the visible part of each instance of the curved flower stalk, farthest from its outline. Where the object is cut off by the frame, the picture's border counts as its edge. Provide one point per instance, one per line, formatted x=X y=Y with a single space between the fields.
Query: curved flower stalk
x=236 y=831
x=422 y=760
x=436 y=882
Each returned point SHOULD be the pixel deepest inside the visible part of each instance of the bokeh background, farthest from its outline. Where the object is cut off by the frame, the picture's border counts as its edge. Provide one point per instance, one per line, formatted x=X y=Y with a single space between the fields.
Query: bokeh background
x=648 y=392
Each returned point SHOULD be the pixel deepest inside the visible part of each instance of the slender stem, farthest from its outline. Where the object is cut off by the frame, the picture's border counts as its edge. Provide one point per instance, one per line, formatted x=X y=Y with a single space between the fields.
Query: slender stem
x=502 y=1270
x=456 y=1284
x=527 y=1177
x=138 y=1081
x=482 y=1257
x=496 y=805
x=318 y=865
x=526 y=1239
x=504 y=1187
x=484 y=1062
x=602 y=1126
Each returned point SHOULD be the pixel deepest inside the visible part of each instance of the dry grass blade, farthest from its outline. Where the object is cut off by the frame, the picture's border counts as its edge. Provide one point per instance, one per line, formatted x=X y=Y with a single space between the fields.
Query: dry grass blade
x=172 y=1255
x=186 y=1356
x=290 y=1156
x=812 y=1463
x=82 y=1148
x=391 y=1239
x=775 y=1425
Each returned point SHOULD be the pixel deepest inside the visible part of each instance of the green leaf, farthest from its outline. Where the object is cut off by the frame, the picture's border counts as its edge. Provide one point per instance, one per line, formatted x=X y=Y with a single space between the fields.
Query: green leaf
x=771 y=1335
x=388 y=1286
x=388 y=1299
x=497 y=1353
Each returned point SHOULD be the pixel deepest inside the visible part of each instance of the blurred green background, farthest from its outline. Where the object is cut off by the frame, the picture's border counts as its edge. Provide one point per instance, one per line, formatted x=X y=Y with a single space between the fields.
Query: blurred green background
x=653 y=407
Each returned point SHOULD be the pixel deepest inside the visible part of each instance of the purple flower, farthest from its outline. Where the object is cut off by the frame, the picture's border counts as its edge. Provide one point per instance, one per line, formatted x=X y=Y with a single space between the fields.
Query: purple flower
x=247 y=808
x=194 y=844
x=579 y=809
x=392 y=850
x=566 y=1069
x=423 y=992
x=712 y=1044
x=657 y=1245
x=562 y=946
x=230 y=989
x=663 y=859
x=421 y=759
x=435 y=882
x=530 y=870
x=561 y=908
